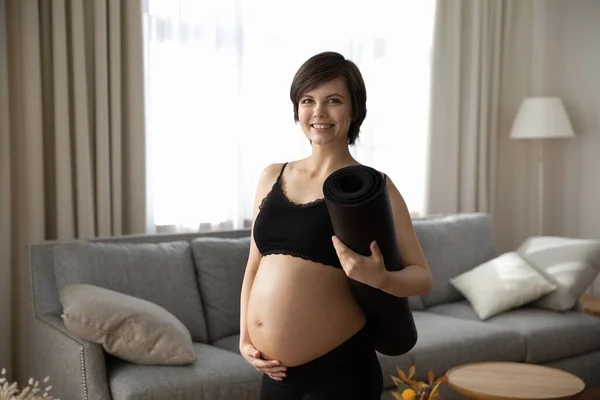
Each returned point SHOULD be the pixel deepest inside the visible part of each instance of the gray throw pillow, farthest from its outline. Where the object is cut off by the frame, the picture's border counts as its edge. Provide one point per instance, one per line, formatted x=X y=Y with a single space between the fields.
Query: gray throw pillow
x=127 y=327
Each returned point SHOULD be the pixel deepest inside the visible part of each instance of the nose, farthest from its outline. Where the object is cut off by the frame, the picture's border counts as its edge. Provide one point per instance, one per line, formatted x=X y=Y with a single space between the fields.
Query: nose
x=318 y=111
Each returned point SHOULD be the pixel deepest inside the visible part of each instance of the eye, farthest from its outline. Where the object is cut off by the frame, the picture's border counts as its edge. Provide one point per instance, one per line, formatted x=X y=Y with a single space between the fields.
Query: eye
x=334 y=100
x=305 y=101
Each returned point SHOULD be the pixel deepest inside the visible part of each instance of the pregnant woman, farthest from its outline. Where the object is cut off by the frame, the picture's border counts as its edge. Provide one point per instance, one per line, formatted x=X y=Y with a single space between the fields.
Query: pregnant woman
x=300 y=324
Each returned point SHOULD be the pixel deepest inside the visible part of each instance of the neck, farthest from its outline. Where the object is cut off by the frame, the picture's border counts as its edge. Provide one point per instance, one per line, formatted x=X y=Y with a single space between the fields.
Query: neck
x=325 y=159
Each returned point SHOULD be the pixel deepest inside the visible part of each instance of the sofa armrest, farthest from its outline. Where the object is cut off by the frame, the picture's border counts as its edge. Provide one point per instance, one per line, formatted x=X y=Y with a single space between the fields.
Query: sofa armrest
x=76 y=367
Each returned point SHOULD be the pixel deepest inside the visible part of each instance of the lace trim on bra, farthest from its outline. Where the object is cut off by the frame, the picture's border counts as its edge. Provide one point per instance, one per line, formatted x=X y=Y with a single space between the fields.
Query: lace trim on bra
x=296 y=254
x=264 y=200
x=279 y=191
x=303 y=205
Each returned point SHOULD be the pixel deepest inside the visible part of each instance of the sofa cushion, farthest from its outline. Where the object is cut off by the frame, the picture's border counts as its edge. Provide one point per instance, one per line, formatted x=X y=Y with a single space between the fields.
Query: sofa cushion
x=584 y=366
x=162 y=273
x=445 y=342
x=217 y=375
x=501 y=284
x=133 y=329
x=452 y=245
x=221 y=264
x=230 y=343
x=550 y=335
x=458 y=309
x=416 y=303
x=570 y=264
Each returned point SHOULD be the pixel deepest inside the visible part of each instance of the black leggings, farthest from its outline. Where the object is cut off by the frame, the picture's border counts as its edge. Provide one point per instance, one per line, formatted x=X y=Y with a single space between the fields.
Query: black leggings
x=351 y=371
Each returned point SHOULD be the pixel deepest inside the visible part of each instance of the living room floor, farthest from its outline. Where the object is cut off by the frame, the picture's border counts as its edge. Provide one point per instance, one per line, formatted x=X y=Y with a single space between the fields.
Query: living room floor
x=591 y=394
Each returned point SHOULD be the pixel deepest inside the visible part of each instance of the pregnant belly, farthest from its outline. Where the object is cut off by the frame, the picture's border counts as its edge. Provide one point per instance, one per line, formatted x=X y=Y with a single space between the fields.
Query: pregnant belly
x=299 y=310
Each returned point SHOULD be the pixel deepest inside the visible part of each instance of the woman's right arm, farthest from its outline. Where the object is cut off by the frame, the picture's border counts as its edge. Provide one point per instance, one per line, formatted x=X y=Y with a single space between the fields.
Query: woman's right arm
x=272 y=368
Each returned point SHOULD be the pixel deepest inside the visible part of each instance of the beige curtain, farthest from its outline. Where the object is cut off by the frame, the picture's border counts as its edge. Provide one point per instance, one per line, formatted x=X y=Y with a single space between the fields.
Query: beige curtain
x=482 y=69
x=464 y=105
x=72 y=148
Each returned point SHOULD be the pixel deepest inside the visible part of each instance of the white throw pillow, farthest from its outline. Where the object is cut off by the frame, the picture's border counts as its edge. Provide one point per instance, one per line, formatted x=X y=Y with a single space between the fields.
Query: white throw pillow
x=501 y=284
x=127 y=327
x=570 y=264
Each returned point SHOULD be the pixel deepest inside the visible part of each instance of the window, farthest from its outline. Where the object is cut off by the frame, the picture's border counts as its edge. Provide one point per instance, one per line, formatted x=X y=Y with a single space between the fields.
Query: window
x=218 y=111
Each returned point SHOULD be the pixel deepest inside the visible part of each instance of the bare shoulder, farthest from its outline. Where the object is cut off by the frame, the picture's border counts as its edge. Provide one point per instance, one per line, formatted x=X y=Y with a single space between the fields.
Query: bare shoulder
x=268 y=176
x=398 y=203
x=270 y=173
x=390 y=183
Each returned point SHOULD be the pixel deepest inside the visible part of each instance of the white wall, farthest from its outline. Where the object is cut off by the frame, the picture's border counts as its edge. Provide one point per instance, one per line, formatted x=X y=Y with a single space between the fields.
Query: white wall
x=572 y=62
x=572 y=71
x=558 y=54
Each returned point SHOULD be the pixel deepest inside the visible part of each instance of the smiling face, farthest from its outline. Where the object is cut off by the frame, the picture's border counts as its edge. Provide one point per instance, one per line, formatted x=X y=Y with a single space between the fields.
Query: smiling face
x=325 y=113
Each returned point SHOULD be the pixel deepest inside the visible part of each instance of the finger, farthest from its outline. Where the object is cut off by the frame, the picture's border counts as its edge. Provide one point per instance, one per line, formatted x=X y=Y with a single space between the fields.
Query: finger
x=252 y=351
x=338 y=244
x=277 y=375
x=343 y=251
x=266 y=364
x=280 y=374
x=375 y=251
x=276 y=378
x=273 y=370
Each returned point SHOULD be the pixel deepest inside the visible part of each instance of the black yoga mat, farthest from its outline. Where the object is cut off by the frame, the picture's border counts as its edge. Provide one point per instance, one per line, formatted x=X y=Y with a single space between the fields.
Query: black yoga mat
x=359 y=207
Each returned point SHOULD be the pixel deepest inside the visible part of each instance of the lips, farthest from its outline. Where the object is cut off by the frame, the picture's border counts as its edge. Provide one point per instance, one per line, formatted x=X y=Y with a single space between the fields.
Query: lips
x=321 y=126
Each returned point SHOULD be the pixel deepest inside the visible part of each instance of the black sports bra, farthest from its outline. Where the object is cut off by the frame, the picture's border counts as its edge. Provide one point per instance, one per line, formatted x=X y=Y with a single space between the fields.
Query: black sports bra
x=300 y=230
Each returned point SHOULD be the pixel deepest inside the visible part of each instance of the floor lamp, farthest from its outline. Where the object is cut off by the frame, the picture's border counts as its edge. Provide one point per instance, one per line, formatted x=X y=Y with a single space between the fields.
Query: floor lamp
x=541 y=118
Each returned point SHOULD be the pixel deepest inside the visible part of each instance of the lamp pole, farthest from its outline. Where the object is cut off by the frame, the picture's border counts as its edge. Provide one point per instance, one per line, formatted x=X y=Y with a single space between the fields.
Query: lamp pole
x=541 y=118
x=540 y=216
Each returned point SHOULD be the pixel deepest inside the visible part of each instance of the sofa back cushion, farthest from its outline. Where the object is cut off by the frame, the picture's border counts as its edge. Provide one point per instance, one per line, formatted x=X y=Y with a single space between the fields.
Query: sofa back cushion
x=452 y=245
x=221 y=264
x=162 y=273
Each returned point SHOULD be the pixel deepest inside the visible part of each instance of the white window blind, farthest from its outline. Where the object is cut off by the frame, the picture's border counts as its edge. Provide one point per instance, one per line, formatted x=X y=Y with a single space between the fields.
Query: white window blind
x=218 y=75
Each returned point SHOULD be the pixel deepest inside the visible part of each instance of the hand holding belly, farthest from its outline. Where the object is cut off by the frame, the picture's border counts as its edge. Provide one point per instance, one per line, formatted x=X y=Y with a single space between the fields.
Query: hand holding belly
x=272 y=368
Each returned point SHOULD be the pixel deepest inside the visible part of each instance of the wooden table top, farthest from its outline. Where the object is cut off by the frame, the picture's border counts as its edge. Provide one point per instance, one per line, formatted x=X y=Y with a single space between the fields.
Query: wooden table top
x=514 y=381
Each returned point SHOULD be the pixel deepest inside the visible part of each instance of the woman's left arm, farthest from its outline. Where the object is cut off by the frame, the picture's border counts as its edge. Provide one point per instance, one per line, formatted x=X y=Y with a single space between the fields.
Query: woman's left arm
x=414 y=279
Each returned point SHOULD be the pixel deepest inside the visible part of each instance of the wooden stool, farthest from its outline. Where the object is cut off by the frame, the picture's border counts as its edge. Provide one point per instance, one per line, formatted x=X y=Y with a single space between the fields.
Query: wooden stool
x=514 y=381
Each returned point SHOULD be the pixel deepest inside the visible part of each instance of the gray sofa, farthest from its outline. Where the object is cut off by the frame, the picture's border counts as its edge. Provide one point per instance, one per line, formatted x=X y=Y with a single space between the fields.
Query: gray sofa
x=200 y=284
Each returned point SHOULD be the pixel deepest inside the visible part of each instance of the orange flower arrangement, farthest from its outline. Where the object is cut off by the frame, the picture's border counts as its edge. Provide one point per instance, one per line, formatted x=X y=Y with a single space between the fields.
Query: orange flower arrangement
x=411 y=389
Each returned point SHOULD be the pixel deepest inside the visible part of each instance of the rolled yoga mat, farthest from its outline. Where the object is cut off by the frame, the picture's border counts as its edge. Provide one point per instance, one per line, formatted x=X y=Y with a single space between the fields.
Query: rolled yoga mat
x=359 y=207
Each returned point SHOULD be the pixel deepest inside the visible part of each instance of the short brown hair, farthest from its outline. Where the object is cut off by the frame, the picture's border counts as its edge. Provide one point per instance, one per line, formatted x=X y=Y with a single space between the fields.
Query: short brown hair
x=327 y=66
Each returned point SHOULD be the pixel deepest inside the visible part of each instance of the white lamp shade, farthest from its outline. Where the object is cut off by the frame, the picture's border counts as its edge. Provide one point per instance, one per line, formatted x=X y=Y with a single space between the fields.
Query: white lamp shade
x=541 y=118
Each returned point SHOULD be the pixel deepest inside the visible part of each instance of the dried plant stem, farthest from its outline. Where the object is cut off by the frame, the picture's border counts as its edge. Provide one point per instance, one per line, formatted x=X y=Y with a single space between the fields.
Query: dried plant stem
x=10 y=391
